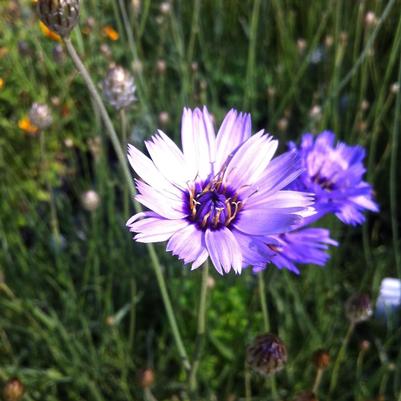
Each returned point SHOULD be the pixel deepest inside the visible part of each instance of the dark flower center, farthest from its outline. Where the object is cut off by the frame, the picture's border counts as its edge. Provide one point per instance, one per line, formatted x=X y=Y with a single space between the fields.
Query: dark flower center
x=323 y=182
x=211 y=205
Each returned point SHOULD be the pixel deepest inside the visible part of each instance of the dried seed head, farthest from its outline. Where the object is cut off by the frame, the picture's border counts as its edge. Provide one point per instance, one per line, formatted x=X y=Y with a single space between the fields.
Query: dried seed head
x=40 y=115
x=194 y=66
x=364 y=345
x=60 y=16
x=315 y=112
x=164 y=118
x=306 y=396
x=271 y=91
x=105 y=50
x=90 y=200
x=358 y=308
x=321 y=359
x=267 y=354
x=146 y=377
x=13 y=390
x=301 y=45
x=364 y=105
x=328 y=41
x=370 y=19
x=95 y=146
x=395 y=87
x=165 y=7
x=282 y=124
x=119 y=87
x=161 y=66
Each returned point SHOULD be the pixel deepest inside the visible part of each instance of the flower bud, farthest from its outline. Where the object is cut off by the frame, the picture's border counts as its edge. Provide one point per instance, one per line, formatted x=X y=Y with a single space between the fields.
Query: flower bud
x=119 y=87
x=40 y=116
x=90 y=200
x=321 y=359
x=267 y=354
x=13 y=390
x=146 y=378
x=358 y=308
x=60 y=16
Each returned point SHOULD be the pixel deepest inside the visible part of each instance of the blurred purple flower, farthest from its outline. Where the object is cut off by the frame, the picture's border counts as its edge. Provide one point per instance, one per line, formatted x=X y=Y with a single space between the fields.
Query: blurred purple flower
x=219 y=197
x=334 y=174
x=304 y=245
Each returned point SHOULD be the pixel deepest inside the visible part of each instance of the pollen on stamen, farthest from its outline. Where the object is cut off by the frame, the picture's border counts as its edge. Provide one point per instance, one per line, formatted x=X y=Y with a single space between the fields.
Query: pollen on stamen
x=212 y=205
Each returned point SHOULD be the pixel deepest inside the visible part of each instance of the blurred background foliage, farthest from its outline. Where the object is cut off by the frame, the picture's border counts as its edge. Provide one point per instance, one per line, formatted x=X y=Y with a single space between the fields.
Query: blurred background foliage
x=80 y=312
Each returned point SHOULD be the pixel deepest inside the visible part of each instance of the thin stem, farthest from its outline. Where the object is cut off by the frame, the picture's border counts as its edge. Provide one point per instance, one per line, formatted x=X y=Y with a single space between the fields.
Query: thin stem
x=263 y=304
x=318 y=379
x=248 y=388
x=123 y=162
x=366 y=50
x=53 y=212
x=250 y=72
x=201 y=330
x=271 y=381
x=340 y=357
x=124 y=129
x=394 y=179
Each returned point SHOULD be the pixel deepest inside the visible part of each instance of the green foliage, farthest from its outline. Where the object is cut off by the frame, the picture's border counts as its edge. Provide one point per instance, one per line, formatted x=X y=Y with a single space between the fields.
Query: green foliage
x=80 y=309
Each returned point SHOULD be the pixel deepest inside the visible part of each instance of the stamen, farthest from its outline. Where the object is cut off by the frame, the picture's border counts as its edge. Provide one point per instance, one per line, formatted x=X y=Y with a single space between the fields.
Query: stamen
x=205 y=219
x=217 y=216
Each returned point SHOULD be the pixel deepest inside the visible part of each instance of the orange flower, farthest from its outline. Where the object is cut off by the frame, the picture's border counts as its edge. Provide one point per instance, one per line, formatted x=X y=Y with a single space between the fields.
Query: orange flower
x=110 y=33
x=25 y=125
x=48 y=33
x=1 y=83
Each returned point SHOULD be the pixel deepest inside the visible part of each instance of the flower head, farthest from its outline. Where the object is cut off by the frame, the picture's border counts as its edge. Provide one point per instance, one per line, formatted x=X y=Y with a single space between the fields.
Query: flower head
x=60 y=16
x=219 y=197
x=267 y=354
x=307 y=245
x=40 y=115
x=334 y=173
x=119 y=87
x=358 y=308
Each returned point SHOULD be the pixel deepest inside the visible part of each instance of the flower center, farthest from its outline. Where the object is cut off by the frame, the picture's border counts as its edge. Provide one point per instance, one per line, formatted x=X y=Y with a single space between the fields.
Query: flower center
x=323 y=182
x=211 y=205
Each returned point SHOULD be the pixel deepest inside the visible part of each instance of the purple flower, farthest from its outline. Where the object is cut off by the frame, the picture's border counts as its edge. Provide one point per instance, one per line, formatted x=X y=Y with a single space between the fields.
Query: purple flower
x=334 y=174
x=304 y=245
x=219 y=197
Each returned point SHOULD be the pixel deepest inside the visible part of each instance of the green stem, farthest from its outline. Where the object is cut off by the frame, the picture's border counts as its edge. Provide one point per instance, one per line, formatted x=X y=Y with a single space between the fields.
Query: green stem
x=263 y=304
x=123 y=162
x=366 y=50
x=124 y=129
x=53 y=211
x=318 y=379
x=201 y=330
x=340 y=357
x=250 y=72
x=248 y=388
x=394 y=178
x=271 y=381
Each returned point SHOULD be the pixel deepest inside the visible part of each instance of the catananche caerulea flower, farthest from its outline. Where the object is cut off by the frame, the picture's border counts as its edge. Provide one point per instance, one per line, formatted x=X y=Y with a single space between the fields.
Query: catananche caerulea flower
x=220 y=196
x=333 y=172
x=302 y=246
